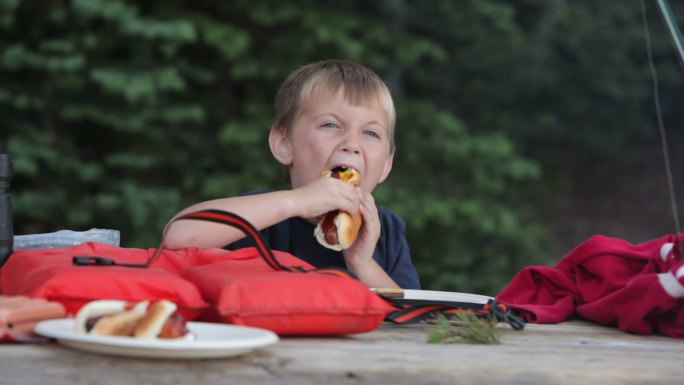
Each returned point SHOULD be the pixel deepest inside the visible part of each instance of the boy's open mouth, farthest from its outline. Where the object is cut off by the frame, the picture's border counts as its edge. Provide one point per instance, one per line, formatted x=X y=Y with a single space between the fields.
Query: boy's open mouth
x=339 y=169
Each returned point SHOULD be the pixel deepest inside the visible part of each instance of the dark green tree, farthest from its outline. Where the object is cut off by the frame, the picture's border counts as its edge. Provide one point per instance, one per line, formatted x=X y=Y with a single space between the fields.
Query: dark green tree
x=119 y=113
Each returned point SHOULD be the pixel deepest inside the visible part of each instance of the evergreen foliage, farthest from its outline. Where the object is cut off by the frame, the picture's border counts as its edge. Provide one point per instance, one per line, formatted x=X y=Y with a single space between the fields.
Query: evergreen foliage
x=118 y=113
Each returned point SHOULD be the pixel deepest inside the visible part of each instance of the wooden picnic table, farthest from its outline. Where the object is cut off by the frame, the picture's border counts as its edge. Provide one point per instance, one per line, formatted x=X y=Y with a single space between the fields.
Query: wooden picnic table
x=568 y=353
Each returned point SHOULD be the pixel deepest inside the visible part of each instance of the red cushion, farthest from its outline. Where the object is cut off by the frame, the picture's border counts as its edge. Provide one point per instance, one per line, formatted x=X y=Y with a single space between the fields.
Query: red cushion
x=240 y=287
x=50 y=274
x=243 y=290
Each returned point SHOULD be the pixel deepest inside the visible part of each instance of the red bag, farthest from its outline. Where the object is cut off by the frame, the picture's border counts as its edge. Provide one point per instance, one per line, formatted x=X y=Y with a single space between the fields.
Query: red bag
x=284 y=294
x=51 y=274
x=245 y=291
x=247 y=287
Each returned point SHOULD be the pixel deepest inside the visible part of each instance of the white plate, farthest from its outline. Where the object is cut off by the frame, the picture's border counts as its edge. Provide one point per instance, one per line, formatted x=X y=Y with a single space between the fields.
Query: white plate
x=448 y=296
x=213 y=340
x=440 y=296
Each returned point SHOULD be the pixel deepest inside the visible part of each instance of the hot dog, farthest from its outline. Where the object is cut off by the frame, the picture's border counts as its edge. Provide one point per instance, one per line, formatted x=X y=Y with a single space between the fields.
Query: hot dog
x=338 y=229
x=138 y=320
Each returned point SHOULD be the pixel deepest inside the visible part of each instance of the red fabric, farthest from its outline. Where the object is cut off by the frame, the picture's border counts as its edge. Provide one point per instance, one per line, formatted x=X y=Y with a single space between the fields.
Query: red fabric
x=243 y=290
x=608 y=281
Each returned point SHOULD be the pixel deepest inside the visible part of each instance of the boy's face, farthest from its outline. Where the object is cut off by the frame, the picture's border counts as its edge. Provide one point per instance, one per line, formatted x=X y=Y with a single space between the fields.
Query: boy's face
x=332 y=132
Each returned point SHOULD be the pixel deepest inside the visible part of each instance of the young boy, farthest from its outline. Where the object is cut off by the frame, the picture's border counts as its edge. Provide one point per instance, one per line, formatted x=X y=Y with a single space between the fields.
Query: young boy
x=330 y=113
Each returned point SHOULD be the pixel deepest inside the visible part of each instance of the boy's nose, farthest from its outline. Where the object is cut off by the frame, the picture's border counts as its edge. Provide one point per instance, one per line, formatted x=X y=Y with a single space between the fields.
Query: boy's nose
x=350 y=146
x=350 y=143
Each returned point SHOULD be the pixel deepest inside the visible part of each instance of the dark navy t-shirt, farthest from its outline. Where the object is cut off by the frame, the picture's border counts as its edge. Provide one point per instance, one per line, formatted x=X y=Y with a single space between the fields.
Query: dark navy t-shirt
x=296 y=236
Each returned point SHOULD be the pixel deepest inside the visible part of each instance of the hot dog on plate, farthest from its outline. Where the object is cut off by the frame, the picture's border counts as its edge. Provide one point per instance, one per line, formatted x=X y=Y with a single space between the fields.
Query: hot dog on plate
x=338 y=229
x=138 y=320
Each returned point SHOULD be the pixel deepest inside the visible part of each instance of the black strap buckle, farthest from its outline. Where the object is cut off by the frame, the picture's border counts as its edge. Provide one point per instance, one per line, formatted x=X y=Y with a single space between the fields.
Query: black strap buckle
x=94 y=260
x=504 y=314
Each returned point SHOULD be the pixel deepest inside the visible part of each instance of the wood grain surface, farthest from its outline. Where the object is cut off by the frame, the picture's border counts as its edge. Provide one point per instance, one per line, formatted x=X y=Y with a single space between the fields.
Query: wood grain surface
x=569 y=353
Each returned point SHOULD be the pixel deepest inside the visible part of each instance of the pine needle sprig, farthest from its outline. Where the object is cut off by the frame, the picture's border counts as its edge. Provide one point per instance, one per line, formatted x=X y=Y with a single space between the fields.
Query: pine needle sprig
x=471 y=330
x=442 y=332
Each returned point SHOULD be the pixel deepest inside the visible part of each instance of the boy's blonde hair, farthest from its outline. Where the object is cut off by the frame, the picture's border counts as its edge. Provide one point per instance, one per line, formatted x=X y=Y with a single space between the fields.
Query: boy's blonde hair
x=360 y=84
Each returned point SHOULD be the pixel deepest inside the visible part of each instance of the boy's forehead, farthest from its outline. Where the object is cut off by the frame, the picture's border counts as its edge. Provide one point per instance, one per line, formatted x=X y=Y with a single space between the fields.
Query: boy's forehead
x=319 y=98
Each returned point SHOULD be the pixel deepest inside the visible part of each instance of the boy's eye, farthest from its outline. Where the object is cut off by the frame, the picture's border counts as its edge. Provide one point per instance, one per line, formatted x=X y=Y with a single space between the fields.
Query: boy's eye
x=372 y=133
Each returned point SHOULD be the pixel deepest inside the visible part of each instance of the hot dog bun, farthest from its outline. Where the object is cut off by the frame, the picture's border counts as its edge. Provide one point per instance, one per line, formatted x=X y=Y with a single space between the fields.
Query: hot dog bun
x=120 y=324
x=150 y=326
x=95 y=309
x=139 y=320
x=338 y=229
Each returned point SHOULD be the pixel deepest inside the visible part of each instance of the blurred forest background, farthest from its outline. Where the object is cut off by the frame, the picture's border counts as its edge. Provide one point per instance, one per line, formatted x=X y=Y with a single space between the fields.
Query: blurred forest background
x=524 y=126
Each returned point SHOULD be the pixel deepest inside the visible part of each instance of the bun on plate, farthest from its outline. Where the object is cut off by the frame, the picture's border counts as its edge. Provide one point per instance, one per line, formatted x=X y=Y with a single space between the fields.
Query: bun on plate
x=338 y=229
x=138 y=320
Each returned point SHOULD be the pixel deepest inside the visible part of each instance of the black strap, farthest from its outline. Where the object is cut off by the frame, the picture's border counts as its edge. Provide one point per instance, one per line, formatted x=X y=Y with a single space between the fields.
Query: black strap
x=234 y=220
x=425 y=310
x=216 y=216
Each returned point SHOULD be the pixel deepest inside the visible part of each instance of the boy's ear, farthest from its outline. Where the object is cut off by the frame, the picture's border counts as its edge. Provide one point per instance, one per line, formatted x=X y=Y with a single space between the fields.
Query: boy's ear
x=387 y=168
x=279 y=142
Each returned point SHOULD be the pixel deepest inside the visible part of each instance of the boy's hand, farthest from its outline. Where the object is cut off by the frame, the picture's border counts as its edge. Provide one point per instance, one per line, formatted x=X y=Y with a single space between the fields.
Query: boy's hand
x=325 y=194
x=317 y=198
x=361 y=252
x=359 y=257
